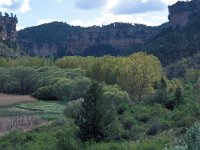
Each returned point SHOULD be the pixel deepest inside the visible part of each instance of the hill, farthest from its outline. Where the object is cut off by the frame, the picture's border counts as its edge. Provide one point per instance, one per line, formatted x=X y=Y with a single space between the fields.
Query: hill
x=58 y=39
x=182 y=38
x=171 y=41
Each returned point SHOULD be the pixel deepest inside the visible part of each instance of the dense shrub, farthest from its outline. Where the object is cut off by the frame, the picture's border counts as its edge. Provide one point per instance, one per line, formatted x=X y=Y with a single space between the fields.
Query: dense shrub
x=25 y=61
x=73 y=108
x=178 y=147
x=191 y=140
x=47 y=83
x=17 y=80
x=52 y=137
x=192 y=137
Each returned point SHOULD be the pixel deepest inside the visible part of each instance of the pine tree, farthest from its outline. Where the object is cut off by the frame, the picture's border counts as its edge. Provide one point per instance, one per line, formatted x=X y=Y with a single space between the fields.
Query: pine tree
x=90 y=122
x=98 y=116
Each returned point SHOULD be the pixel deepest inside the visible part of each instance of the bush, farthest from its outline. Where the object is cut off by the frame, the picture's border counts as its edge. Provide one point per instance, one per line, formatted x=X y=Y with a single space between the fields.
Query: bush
x=178 y=147
x=17 y=80
x=67 y=140
x=192 y=137
x=155 y=128
x=73 y=108
x=45 y=93
x=46 y=83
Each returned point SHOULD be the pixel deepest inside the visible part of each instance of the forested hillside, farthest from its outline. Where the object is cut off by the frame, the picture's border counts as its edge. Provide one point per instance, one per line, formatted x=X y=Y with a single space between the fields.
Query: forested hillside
x=58 y=39
x=175 y=43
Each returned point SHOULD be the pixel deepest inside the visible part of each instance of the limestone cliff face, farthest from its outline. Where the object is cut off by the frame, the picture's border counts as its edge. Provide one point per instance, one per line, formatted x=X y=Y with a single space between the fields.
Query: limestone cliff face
x=8 y=36
x=8 y=27
x=77 y=40
x=115 y=35
x=182 y=12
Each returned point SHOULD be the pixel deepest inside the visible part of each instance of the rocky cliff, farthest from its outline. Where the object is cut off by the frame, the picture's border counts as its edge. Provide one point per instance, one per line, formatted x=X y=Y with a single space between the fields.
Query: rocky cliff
x=8 y=36
x=58 y=39
x=182 y=36
x=182 y=12
x=8 y=27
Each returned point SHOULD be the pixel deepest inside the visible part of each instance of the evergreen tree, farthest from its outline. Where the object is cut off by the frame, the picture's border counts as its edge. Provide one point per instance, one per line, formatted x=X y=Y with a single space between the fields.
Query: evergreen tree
x=90 y=117
x=97 y=115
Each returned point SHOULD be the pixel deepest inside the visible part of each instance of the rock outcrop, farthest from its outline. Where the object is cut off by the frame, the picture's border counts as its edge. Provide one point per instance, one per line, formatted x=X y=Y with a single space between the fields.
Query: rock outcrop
x=8 y=27
x=182 y=12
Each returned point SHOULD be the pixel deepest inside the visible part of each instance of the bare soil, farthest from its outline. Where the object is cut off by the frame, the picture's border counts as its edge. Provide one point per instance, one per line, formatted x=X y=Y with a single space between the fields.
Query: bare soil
x=6 y=99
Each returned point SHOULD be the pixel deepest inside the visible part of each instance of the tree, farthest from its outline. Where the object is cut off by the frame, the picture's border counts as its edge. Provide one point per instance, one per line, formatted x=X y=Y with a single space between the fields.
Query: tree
x=97 y=116
x=90 y=127
x=138 y=74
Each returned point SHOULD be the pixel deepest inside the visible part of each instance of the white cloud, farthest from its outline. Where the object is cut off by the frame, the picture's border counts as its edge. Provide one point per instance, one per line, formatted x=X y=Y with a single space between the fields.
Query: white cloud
x=106 y=16
x=138 y=6
x=15 y=5
x=25 y=6
x=148 y=19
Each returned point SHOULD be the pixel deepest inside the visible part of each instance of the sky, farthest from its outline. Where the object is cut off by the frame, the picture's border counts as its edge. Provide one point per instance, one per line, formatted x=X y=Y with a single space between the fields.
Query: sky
x=87 y=12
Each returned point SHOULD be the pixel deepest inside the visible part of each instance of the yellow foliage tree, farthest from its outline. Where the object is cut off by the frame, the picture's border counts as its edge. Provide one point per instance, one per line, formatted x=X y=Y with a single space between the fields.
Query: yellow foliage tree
x=138 y=74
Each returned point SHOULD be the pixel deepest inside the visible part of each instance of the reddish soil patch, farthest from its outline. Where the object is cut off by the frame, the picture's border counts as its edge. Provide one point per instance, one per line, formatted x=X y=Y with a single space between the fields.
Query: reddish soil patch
x=6 y=99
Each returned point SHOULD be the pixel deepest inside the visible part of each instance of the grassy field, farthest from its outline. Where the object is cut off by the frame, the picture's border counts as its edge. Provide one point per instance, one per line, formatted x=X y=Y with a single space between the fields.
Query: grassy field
x=46 y=110
x=25 y=113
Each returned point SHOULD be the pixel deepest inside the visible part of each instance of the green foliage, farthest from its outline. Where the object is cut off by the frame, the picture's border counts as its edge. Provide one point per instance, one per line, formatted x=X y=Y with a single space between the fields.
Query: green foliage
x=192 y=137
x=192 y=75
x=73 y=62
x=106 y=69
x=191 y=140
x=53 y=137
x=47 y=83
x=67 y=140
x=139 y=73
x=17 y=80
x=197 y=90
x=25 y=61
x=178 y=147
x=180 y=68
x=73 y=108
x=135 y=74
x=45 y=110
x=145 y=144
x=90 y=127
x=98 y=117
x=103 y=112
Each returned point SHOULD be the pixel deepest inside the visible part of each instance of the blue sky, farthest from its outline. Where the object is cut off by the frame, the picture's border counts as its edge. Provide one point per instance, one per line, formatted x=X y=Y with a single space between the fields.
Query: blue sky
x=87 y=12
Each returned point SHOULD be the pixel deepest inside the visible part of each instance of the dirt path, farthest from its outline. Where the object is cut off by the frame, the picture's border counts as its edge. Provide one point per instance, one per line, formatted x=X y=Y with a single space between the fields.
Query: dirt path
x=6 y=99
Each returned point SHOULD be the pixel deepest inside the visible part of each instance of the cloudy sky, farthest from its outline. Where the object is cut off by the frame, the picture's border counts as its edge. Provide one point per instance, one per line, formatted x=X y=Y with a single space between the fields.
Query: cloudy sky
x=87 y=12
